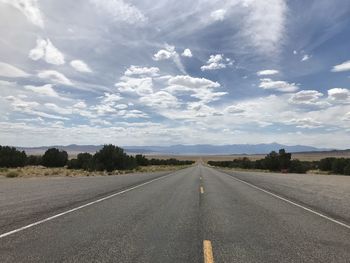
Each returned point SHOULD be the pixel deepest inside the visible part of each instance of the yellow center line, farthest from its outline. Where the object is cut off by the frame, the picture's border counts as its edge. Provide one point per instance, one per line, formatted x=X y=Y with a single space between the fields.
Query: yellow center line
x=208 y=252
x=200 y=177
x=202 y=190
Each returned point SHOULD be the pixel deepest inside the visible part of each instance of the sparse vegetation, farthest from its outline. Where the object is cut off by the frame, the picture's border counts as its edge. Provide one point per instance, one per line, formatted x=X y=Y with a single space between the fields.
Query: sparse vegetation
x=12 y=174
x=109 y=160
x=281 y=161
x=11 y=157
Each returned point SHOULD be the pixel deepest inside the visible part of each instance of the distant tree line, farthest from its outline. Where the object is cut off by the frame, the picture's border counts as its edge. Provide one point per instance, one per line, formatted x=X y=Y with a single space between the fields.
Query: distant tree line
x=283 y=162
x=109 y=158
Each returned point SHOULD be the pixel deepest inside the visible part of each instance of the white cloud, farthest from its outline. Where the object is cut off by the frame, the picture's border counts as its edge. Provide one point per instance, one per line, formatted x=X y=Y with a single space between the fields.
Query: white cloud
x=295 y=52
x=57 y=109
x=55 y=76
x=307 y=123
x=339 y=94
x=279 y=85
x=46 y=90
x=234 y=109
x=267 y=72
x=160 y=99
x=218 y=15
x=207 y=95
x=306 y=97
x=30 y=9
x=264 y=24
x=119 y=10
x=216 y=62
x=169 y=53
x=345 y=66
x=134 y=114
x=46 y=50
x=142 y=71
x=191 y=82
x=139 y=86
x=306 y=57
x=80 y=66
x=110 y=98
x=187 y=53
x=80 y=105
x=9 y=71
x=29 y=107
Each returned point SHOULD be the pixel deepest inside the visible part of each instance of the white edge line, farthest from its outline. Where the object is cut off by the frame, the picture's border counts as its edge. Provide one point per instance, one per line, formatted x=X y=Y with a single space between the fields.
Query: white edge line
x=291 y=202
x=80 y=207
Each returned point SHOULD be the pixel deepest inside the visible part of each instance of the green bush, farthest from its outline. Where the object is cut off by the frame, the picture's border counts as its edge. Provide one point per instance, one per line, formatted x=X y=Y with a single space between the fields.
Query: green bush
x=54 y=158
x=11 y=157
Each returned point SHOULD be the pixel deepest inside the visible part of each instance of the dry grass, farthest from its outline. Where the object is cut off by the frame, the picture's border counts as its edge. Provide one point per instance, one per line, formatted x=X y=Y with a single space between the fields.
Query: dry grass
x=40 y=171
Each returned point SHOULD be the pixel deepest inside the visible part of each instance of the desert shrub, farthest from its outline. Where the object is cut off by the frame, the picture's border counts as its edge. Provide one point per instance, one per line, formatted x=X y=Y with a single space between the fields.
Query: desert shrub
x=297 y=166
x=111 y=158
x=141 y=160
x=12 y=174
x=326 y=164
x=11 y=157
x=34 y=160
x=73 y=164
x=54 y=158
x=338 y=165
x=347 y=169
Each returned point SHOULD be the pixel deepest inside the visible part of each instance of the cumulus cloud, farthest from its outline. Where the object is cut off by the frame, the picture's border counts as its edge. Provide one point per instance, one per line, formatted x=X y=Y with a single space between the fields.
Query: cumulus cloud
x=338 y=94
x=119 y=10
x=282 y=86
x=29 y=8
x=57 y=109
x=46 y=50
x=55 y=76
x=233 y=109
x=191 y=82
x=169 y=53
x=142 y=71
x=218 y=15
x=267 y=72
x=46 y=90
x=200 y=88
x=307 y=123
x=216 y=62
x=160 y=99
x=139 y=86
x=345 y=66
x=187 y=53
x=306 y=97
x=80 y=66
x=9 y=71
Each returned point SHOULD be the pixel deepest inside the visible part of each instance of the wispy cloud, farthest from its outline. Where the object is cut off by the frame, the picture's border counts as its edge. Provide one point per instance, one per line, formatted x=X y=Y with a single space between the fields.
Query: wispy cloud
x=30 y=9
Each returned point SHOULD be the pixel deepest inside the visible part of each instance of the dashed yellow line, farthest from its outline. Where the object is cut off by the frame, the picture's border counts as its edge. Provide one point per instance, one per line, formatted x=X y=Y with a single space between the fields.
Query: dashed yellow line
x=202 y=190
x=208 y=252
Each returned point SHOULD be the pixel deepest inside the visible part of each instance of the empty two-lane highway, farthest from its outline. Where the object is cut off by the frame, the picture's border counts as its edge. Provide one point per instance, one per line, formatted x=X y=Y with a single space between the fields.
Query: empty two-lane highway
x=197 y=214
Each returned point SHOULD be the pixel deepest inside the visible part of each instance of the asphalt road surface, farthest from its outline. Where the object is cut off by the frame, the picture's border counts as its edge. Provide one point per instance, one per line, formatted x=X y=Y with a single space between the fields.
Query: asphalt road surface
x=198 y=214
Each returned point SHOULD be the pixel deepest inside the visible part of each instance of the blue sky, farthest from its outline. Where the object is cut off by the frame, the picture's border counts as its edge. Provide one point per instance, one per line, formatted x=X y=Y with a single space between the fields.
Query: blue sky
x=170 y=72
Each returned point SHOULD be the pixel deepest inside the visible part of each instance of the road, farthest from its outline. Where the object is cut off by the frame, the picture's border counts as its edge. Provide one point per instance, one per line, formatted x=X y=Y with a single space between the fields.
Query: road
x=198 y=214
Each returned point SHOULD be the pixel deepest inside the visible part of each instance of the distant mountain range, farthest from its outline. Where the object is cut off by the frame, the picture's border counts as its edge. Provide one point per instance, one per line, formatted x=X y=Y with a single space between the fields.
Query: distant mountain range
x=197 y=149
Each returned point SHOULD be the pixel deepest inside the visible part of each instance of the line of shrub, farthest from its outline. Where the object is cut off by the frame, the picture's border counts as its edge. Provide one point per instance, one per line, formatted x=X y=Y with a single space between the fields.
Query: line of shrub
x=109 y=158
x=283 y=162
